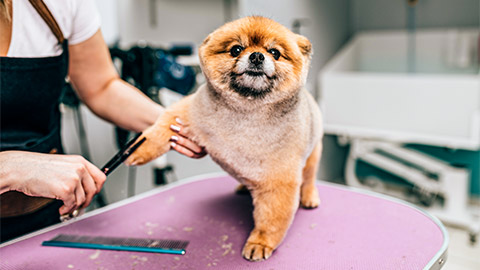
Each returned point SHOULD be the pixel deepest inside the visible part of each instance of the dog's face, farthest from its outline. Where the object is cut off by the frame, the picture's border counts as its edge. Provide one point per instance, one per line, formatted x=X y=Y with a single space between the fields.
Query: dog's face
x=255 y=58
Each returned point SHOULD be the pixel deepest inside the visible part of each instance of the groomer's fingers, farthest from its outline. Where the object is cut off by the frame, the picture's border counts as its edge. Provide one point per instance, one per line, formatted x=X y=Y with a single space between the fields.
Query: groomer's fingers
x=178 y=128
x=90 y=189
x=185 y=151
x=64 y=209
x=95 y=173
x=68 y=202
x=183 y=145
x=79 y=195
x=80 y=187
x=187 y=144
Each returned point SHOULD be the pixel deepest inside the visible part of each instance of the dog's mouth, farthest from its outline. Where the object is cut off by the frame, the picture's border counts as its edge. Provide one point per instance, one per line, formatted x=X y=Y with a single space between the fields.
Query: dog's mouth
x=254 y=73
x=251 y=83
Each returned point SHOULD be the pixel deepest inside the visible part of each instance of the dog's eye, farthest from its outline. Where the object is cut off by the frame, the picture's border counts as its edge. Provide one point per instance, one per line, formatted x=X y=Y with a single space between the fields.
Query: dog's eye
x=275 y=53
x=236 y=50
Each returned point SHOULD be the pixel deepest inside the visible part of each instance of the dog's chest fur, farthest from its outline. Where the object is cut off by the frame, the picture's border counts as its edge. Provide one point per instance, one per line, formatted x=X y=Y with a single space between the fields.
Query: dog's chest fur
x=242 y=143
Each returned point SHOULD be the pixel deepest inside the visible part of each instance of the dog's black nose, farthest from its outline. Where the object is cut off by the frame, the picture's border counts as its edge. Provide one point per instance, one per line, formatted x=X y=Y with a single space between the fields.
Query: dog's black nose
x=256 y=58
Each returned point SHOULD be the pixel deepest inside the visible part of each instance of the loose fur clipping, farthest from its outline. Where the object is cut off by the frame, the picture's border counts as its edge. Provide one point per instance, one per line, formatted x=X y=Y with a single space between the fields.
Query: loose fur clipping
x=256 y=121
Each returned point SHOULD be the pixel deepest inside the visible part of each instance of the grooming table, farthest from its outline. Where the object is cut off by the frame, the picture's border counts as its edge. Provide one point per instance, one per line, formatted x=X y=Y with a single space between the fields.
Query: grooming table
x=351 y=229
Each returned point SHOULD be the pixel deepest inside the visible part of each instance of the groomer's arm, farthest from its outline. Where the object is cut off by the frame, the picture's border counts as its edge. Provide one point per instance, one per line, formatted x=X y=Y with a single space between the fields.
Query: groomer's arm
x=98 y=85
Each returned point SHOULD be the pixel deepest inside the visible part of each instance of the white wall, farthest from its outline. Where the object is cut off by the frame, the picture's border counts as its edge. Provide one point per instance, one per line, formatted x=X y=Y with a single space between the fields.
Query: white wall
x=180 y=21
x=108 y=10
x=392 y=14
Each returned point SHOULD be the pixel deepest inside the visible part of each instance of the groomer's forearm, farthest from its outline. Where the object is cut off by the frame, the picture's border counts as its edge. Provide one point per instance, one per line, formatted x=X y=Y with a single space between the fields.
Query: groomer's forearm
x=6 y=173
x=93 y=75
x=124 y=105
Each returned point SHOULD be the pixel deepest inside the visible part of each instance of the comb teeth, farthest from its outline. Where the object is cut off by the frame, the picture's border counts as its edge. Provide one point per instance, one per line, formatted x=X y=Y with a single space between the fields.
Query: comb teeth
x=122 y=242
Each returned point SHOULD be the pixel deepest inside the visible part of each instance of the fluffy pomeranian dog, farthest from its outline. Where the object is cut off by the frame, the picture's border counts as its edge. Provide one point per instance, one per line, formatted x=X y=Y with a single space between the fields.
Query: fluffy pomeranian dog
x=256 y=121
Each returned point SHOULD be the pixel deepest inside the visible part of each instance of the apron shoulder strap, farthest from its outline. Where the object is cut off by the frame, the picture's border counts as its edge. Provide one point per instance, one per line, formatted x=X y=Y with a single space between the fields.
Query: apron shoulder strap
x=47 y=16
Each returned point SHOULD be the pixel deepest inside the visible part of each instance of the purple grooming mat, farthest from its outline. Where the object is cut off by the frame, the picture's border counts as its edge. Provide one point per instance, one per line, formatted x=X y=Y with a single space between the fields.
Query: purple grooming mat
x=351 y=229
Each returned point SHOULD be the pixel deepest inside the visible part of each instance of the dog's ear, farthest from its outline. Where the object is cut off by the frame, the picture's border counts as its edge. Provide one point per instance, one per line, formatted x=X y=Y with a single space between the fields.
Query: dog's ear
x=206 y=40
x=304 y=45
x=200 y=48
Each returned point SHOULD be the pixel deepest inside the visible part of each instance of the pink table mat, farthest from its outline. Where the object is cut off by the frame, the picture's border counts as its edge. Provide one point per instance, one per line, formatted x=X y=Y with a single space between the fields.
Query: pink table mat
x=350 y=230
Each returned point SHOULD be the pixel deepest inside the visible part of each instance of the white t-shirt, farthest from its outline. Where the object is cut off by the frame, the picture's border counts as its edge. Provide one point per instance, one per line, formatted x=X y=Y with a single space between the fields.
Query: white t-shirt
x=31 y=36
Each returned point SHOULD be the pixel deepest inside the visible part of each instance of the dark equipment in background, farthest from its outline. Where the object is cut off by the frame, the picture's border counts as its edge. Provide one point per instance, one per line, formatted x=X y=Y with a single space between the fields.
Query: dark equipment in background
x=150 y=69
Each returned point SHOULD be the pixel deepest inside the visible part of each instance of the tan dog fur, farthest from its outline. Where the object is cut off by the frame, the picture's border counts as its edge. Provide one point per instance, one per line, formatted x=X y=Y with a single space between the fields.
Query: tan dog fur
x=266 y=133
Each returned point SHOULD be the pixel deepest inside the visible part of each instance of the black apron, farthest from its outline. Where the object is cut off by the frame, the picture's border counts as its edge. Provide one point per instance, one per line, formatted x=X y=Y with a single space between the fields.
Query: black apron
x=30 y=90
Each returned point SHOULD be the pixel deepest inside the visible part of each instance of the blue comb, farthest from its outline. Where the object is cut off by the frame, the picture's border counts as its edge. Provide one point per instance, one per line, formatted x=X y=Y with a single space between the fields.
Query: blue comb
x=117 y=243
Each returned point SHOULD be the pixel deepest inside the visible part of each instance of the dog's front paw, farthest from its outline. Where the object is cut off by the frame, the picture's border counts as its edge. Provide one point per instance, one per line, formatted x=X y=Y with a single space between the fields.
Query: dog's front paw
x=145 y=153
x=156 y=144
x=309 y=198
x=256 y=252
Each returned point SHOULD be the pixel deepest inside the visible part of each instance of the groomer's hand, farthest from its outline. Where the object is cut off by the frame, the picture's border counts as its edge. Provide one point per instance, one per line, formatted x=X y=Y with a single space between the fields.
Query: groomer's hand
x=69 y=178
x=183 y=145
